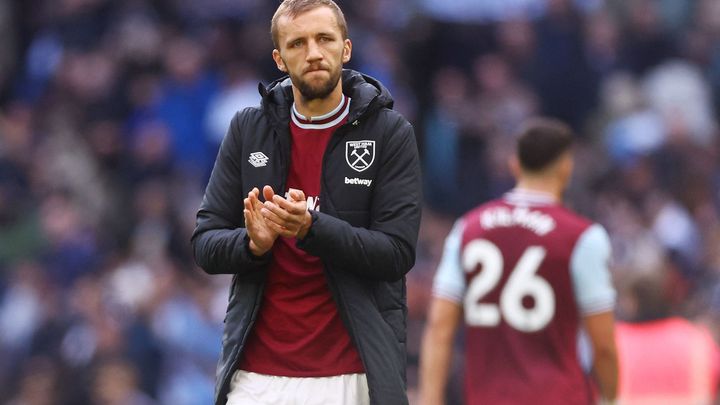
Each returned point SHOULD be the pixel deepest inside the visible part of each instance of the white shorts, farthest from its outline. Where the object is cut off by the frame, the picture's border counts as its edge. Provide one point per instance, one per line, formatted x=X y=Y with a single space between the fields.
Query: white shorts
x=247 y=388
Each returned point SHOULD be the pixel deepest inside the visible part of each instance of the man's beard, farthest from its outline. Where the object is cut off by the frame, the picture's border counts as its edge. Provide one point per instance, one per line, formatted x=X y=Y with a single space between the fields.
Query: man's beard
x=314 y=92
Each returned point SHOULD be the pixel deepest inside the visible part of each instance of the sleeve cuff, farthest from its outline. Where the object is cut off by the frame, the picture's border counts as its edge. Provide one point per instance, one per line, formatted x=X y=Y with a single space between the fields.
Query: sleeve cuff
x=598 y=306
x=311 y=231
x=448 y=294
x=265 y=257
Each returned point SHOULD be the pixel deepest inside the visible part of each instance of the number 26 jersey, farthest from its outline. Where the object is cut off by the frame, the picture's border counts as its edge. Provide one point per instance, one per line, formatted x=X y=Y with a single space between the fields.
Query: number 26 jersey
x=525 y=270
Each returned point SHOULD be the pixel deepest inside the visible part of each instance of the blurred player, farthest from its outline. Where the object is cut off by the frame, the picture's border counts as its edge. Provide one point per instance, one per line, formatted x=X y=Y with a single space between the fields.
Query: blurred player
x=526 y=274
x=665 y=359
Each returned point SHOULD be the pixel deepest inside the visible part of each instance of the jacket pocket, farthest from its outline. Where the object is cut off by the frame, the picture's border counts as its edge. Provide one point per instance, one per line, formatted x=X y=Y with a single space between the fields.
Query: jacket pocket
x=390 y=301
x=232 y=297
x=395 y=318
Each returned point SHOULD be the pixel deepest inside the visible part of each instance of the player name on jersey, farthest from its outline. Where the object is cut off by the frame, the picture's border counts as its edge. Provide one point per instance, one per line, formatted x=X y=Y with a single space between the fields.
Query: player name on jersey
x=500 y=217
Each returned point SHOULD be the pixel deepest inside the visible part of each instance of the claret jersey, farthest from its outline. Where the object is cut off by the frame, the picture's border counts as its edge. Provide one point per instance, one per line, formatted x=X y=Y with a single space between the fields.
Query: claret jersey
x=525 y=270
x=299 y=332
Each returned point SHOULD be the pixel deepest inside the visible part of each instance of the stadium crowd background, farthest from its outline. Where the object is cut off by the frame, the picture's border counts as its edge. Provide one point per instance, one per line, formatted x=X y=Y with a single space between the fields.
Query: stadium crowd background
x=111 y=112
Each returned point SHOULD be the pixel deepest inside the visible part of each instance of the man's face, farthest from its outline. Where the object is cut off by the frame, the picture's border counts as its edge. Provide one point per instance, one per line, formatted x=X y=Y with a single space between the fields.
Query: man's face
x=312 y=51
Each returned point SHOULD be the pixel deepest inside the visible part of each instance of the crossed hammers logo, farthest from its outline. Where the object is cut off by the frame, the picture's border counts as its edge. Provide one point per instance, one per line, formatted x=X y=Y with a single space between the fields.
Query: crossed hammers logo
x=360 y=154
x=359 y=157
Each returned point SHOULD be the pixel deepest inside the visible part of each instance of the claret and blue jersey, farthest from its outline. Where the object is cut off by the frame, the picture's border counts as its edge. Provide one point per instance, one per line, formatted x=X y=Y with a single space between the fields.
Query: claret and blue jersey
x=525 y=270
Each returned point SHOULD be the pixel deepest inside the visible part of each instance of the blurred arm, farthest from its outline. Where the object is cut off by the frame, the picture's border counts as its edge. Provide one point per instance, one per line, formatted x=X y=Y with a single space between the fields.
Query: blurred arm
x=601 y=330
x=443 y=320
x=595 y=298
x=436 y=350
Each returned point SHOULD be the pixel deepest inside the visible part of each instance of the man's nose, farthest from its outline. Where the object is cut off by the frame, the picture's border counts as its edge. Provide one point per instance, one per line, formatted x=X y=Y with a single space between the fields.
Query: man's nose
x=314 y=52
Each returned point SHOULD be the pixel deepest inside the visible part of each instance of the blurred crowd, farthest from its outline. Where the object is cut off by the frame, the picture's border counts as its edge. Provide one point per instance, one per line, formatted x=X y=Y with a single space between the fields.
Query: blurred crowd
x=111 y=113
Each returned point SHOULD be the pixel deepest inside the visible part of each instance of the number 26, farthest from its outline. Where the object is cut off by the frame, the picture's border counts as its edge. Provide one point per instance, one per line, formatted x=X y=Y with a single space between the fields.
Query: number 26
x=523 y=281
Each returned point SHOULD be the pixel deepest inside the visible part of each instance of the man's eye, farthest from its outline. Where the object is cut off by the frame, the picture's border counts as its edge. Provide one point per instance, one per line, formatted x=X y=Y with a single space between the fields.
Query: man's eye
x=296 y=44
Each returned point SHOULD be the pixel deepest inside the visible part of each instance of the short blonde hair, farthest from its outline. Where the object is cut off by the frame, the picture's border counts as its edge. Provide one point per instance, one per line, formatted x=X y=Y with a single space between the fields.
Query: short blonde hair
x=293 y=8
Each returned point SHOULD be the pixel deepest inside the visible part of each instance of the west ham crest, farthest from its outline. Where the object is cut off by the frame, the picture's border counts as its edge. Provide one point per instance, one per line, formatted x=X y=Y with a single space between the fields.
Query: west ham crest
x=360 y=154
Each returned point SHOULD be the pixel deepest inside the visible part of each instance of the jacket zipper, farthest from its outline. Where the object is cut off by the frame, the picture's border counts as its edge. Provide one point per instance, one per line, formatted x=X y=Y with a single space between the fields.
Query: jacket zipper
x=332 y=283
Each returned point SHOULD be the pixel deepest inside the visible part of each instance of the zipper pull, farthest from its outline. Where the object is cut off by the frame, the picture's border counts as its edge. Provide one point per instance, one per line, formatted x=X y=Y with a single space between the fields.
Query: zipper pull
x=355 y=123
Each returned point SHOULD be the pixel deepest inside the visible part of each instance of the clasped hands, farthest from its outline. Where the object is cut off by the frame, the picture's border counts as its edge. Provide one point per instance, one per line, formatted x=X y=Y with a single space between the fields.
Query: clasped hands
x=277 y=216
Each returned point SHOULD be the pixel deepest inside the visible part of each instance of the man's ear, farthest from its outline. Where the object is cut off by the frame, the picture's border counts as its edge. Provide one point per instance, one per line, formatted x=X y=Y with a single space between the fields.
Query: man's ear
x=567 y=164
x=347 y=51
x=514 y=165
x=279 y=61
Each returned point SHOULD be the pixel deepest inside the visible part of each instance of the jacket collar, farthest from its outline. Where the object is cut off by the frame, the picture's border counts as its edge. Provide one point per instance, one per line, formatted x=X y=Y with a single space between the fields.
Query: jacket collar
x=367 y=95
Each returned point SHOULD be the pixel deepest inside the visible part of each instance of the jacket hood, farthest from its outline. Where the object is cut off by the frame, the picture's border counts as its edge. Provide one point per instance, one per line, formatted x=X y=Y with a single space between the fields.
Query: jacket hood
x=367 y=94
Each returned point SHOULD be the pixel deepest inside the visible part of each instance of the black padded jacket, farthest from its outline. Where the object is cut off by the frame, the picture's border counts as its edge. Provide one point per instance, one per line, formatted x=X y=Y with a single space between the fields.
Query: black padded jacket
x=365 y=232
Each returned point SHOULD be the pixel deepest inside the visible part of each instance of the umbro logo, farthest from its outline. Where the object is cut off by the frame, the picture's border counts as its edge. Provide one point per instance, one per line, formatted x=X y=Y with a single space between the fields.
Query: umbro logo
x=258 y=159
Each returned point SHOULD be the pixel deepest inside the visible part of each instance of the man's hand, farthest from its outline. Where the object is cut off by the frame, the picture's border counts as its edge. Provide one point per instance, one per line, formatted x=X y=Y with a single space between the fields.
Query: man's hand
x=262 y=236
x=288 y=217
